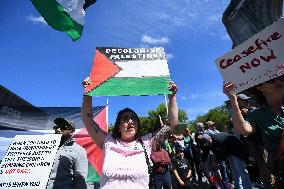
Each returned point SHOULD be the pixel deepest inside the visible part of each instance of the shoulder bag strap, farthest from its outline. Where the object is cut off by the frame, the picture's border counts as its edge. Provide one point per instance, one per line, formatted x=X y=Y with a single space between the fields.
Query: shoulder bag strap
x=146 y=156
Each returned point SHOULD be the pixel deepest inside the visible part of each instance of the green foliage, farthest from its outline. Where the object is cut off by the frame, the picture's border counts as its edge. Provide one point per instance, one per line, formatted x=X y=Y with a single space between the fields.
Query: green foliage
x=182 y=116
x=110 y=128
x=151 y=122
x=218 y=115
x=191 y=126
x=145 y=125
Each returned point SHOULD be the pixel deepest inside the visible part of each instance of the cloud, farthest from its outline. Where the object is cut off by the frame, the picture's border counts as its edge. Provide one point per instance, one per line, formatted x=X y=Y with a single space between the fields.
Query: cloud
x=206 y=95
x=183 y=98
x=35 y=19
x=155 y=41
x=193 y=112
x=190 y=16
x=214 y=18
x=165 y=18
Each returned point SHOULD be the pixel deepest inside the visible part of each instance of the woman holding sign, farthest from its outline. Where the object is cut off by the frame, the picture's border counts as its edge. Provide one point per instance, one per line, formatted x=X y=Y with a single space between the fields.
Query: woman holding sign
x=268 y=120
x=126 y=162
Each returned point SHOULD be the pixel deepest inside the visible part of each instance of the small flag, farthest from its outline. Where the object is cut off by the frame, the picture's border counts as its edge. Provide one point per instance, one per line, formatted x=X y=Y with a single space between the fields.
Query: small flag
x=129 y=71
x=64 y=15
x=94 y=153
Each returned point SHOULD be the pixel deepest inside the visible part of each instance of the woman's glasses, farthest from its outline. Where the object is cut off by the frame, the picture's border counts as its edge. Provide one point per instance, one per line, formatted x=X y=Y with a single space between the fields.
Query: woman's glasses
x=127 y=118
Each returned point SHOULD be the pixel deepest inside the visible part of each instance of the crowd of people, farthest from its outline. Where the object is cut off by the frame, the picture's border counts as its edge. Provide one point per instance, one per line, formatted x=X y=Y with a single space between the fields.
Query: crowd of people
x=249 y=153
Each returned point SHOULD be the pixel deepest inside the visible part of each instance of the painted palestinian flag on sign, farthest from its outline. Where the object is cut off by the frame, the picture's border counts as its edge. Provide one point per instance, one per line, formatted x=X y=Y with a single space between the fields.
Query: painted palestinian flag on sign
x=129 y=72
x=95 y=155
x=64 y=15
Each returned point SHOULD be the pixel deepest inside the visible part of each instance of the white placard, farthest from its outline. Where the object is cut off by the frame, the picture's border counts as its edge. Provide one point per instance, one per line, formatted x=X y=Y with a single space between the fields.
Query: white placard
x=28 y=161
x=255 y=61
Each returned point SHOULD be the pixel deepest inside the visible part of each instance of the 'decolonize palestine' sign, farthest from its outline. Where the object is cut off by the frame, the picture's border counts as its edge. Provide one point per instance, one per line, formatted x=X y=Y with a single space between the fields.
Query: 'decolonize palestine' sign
x=255 y=61
x=28 y=161
x=129 y=71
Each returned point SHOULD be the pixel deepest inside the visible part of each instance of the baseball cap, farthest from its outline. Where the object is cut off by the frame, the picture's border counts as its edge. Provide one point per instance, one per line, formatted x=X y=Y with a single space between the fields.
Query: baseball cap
x=243 y=96
x=199 y=124
x=210 y=123
x=63 y=123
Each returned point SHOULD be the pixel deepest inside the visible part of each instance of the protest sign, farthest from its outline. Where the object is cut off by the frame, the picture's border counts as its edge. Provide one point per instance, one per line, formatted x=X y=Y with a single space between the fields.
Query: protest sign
x=129 y=71
x=255 y=61
x=28 y=161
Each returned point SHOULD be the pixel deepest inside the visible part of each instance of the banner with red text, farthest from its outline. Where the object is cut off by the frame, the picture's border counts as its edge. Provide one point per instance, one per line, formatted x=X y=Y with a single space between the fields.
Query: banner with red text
x=255 y=61
x=28 y=161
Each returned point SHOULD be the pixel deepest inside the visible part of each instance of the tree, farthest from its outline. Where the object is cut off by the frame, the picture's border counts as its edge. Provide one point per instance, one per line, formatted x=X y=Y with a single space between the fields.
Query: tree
x=218 y=115
x=110 y=128
x=151 y=123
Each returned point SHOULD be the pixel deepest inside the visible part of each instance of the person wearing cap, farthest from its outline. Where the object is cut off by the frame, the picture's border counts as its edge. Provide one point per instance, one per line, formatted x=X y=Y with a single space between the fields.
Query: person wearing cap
x=244 y=104
x=70 y=167
x=181 y=169
x=227 y=147
x=210 y=128
x=199 y=127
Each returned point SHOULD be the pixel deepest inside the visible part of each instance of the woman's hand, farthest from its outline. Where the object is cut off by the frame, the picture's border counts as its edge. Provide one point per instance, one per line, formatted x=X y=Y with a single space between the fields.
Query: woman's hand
x=173 y=87
x=228 y=90
x=86 y=83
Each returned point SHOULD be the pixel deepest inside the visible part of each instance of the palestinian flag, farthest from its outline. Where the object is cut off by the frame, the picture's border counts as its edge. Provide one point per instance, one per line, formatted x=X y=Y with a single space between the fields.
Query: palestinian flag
x=94 y=153
x=64 y=15
x=129 y=71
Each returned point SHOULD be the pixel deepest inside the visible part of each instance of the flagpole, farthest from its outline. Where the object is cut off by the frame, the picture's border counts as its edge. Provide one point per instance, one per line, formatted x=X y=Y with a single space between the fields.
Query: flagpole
x=166 y=102
x=107 y=113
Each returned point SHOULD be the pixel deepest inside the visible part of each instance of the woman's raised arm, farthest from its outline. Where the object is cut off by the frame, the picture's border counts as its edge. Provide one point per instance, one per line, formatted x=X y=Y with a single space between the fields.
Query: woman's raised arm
x=97 y=134
x=165 y=131
x=243 y=127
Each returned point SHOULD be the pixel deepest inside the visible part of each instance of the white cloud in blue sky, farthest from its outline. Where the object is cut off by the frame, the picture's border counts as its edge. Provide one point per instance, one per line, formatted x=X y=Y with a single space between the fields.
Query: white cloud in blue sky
x=183 y=98
x=163 y=18
x=191 y=32
x=36 y=19
x=206 y=95
x=155 y=41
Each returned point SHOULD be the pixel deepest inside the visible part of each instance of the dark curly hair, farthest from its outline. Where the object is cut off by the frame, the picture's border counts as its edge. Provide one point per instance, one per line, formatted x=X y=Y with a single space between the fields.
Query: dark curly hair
x=116 y=133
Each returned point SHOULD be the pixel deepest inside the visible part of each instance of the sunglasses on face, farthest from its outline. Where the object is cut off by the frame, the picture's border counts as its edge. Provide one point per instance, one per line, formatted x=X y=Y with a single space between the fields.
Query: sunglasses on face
x=127 y=118
x=62 y=127
x=280 y=78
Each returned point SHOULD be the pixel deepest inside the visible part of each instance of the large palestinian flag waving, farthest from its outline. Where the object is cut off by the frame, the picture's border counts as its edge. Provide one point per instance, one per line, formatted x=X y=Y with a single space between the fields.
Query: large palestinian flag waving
x=129 y=71
x=94 y=153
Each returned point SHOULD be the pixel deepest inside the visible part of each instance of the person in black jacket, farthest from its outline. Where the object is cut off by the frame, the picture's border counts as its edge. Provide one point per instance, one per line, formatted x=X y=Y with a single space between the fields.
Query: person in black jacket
x=226 y=146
